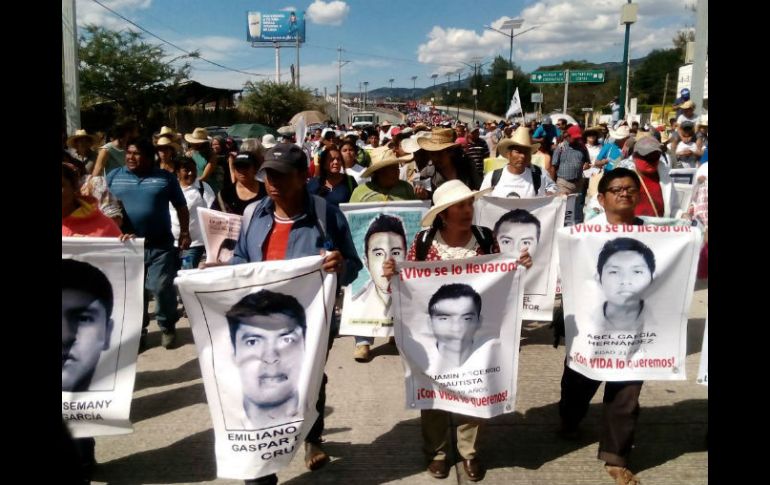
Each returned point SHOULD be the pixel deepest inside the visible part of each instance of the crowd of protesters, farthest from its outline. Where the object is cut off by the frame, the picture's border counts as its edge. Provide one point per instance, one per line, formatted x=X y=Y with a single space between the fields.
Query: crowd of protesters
x=429 y=156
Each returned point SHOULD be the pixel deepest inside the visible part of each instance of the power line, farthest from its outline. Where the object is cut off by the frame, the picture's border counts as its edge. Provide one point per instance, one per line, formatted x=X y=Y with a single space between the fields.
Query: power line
x=174 y=45
x=381 y=57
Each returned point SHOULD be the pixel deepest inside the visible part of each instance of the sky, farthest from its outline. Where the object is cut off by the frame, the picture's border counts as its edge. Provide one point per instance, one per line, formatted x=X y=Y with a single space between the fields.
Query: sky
x=394 y=39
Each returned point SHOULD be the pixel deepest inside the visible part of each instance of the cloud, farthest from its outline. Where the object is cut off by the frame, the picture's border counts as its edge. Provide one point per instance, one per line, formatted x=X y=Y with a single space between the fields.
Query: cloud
x=574 y=29
x=331 y=13
x=288 y=9
x=92 y=13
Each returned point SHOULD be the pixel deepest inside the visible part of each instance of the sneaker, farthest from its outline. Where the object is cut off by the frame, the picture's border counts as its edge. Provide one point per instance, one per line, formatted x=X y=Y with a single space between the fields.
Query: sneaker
x=168 y=338
x=362 y=353
x=622 y=475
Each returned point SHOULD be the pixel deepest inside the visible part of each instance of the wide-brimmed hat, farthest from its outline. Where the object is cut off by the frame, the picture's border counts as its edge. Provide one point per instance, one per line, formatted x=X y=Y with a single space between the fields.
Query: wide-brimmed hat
x=622 y=132
x=79 y=135
x=382 y=157
x=410 y=145
x=268 y=141
x=687 y=104
x=164 y=141
x=199 y=135
x=287 y=130
x=439 y=139
x=450 y=193
x=385 y=123
x=166 y=131
x=520 y=138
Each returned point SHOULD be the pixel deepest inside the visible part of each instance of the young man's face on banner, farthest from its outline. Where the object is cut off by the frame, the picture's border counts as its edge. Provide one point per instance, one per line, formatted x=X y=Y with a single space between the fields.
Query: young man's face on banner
x=85 y=331
x=624 y=278
x=269 y=351
x=454 y=322
x=383 y=246
x=513 y=238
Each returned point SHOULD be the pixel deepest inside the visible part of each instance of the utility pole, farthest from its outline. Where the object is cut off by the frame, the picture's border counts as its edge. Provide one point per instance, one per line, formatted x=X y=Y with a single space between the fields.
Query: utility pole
x=697 y=86
x=414 y=87
x=340 y=63
x=297 y=61
x=434 y=76
x=627 y=17
x=566 y=89
x=360 y=96
x=366 y=92
x=277 y=62
x=70 y=58
x=663 y=108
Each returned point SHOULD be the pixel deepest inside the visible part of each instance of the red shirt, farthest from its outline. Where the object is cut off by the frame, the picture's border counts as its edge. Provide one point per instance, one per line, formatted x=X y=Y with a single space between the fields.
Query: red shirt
x=651 y=179
x=88 y=220
x=278 y=239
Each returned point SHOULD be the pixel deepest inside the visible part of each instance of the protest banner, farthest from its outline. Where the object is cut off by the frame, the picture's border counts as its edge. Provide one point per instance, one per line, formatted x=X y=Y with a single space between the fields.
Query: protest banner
x=261 y=331
x=532 y=224
x=220 y=234
x=627 y=291
x=102 y=291
x=380 y=231
x=460 y=341
x=703 y=368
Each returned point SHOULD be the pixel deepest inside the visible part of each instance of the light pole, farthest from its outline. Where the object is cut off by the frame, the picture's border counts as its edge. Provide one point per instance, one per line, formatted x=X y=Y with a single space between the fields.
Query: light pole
x=414 y=87
x=391 y=85
x=366 y=86
x=627 y=17
x=510 y=25
x=434 y=76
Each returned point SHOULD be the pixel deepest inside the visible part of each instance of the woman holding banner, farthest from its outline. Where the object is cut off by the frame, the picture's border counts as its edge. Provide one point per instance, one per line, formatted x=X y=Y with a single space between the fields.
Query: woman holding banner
x=451 y=236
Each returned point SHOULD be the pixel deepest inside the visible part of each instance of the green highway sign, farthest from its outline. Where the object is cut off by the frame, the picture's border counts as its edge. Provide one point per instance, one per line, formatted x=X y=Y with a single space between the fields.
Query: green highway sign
x=547 y=77
x=595 y=76
x=557 y=77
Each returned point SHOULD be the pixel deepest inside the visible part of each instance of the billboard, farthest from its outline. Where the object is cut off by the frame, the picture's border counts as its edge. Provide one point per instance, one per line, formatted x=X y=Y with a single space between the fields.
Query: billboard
x=284 y=26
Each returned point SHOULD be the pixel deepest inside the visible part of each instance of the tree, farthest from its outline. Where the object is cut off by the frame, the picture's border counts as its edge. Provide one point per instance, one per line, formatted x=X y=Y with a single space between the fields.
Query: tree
x=274 y=104
x=680 y=41
x=492 y=98
x=650 y=77
x=120 y=68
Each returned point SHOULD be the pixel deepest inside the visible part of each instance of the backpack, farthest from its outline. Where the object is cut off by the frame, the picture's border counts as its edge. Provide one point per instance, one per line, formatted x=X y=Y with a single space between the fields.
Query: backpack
x=424 y=239
x=537 y=174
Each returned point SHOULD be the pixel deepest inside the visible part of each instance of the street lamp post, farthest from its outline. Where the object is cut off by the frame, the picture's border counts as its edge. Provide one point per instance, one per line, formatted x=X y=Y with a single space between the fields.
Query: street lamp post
x=434 y=76
x=414 y=87
x=510 y=25
x=627 y=17
x=366 y=86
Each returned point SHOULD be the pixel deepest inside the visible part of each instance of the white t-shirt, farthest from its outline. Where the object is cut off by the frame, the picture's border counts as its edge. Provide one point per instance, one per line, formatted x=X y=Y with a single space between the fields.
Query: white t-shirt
x=682 y=118
x=193 y=196
x=510 y=183
x=355 y=171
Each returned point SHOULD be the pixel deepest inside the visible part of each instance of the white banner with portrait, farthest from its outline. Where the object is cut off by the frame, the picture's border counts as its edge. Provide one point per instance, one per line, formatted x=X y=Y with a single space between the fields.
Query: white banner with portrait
x=220 y=234
x=102 y=291
x=457 y=327
x=261 y=331
x=380 y=230
x=626 y=292
x=703 y=368
x=531 y=224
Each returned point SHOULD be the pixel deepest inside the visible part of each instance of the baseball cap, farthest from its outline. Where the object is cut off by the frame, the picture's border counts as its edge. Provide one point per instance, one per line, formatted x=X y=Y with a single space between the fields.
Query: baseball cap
x=285 y=158
x=574 y=131
x=685 y=92
x=245 y=158
x=647 y=145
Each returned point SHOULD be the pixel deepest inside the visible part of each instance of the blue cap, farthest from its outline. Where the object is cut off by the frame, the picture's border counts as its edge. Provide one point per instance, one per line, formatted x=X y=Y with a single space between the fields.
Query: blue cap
x=685 y=92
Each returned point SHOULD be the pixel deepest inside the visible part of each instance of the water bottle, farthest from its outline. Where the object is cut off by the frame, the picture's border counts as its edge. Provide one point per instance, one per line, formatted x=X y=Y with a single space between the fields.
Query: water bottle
x=187 y=262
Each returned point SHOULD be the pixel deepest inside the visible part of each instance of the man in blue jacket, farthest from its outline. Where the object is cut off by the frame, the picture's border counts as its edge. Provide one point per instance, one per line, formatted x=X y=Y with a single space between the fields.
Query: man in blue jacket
x=291 y=223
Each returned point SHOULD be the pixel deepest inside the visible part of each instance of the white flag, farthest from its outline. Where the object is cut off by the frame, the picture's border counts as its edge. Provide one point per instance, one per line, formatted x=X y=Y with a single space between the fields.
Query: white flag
x=515 y=105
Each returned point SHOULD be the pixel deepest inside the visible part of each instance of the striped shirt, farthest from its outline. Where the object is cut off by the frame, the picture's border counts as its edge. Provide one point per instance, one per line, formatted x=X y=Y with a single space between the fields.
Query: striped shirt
x=569 y=161
x=477 y=152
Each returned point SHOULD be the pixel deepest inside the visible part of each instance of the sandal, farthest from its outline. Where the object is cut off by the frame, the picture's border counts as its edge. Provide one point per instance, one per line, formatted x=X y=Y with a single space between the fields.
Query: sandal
x=622 y=475
x=315 y=456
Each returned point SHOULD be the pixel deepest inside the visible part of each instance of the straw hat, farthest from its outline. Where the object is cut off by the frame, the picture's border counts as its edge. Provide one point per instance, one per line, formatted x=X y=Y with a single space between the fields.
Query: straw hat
x=287 y=130
x=440 y=139
x=450 y=193
x=687 y=104
x=520 y=138
x=164 y=141
x=168 y=132
x=622 y=132
x=410 y=145
x=79 y=135
x=383 y=157
x=199 y=135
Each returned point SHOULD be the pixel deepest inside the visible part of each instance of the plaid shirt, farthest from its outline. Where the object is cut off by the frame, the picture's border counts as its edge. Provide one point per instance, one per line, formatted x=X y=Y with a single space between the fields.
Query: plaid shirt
x=569 y=161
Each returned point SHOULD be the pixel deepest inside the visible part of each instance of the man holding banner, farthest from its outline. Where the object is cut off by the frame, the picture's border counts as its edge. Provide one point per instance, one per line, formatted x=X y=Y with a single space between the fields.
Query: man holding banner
x=290 y=223
x=620 y=340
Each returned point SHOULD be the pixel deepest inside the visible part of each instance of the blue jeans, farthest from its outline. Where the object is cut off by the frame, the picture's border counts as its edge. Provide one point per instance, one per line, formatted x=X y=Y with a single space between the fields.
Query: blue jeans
x=195 y=252
x=160 y=270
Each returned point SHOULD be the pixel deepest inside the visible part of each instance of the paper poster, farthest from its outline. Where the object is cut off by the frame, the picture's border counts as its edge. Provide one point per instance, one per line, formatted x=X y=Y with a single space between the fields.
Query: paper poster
x=380 y=231
x=528 y=223
x=457 y=327
x=261 y=331
x=627 y=292
x=102 y=292
x=703 y=368
x=220 y=234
